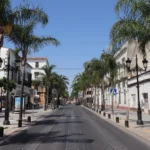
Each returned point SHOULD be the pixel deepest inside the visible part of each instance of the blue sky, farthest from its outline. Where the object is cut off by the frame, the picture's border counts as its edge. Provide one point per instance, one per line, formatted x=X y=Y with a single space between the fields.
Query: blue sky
x=81 y=26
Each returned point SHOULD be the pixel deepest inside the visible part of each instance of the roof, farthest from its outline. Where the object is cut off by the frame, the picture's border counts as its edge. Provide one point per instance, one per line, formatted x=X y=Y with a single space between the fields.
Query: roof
x=29 y=65
x=37 y=58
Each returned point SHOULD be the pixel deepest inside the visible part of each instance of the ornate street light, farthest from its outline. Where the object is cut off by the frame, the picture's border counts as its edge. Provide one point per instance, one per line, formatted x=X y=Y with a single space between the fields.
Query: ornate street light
x=128 y=63
x=145 y=62
x=139 y=111
x=17 y=62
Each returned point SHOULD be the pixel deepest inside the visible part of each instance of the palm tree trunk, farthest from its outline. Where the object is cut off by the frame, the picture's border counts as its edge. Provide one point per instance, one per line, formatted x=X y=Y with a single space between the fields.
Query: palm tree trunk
x=22 y=91
x=47 y=97
x=1 y=36
x=58 y=101
x=103 y=99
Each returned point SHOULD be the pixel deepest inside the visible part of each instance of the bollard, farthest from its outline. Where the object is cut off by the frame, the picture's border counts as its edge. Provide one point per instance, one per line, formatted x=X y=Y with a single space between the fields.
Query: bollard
x=104 y=113
x=117 y=119
x=99 y=112
x=1 y=131
x=29 y=119
x=126 y=123
x=109 y=116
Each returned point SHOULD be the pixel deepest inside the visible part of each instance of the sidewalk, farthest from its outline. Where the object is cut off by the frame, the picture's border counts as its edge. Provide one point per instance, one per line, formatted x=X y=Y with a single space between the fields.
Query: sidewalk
x=142 y=131
x=132 y=116
x=35 y=114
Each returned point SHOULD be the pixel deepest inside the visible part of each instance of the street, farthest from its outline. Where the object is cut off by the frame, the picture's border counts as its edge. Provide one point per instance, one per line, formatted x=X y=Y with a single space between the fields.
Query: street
x=73 y=128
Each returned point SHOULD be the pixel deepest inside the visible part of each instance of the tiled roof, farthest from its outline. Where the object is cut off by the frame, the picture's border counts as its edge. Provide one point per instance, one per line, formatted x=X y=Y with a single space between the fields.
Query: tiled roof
x=37 y=58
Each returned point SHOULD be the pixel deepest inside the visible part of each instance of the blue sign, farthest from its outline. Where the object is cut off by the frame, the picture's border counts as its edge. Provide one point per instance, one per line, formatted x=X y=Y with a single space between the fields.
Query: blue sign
x=17 y=103
x=113 y=91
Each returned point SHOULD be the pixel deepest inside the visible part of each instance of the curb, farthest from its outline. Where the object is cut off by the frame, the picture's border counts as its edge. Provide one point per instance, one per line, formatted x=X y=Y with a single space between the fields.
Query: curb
x=118 y=125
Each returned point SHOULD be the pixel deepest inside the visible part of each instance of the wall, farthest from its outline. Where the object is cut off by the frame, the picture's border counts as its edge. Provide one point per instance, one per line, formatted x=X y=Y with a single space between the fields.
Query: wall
x=42 y=63
x=41 y=91
x=4 y=57
x=144 y=83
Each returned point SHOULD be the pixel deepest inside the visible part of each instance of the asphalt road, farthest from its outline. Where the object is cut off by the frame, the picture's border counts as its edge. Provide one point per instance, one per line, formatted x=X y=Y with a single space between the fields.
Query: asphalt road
x=73 y=128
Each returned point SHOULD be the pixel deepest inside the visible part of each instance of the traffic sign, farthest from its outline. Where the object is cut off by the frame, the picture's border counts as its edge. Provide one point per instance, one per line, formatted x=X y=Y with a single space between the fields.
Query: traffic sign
x=113 y=91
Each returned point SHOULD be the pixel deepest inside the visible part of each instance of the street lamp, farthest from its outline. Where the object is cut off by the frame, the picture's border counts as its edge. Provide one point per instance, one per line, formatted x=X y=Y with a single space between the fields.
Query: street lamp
x=17 y=62
x=6 y=120
x=128 y=63
x=8 y=68
x=145 y=63
x=139 y=111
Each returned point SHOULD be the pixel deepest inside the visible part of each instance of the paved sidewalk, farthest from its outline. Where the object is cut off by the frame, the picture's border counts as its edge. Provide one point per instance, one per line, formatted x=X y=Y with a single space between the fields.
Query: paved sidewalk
x=142 y=131
x=35 y=114
x=132 y=116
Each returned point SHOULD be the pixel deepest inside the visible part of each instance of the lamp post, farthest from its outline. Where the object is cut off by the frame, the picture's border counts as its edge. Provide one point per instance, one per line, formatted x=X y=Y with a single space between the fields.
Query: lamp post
x=93 y=97
x=1 y=61
x=6 y=29
x=6 y=120
x=98 y=99
x=139 y=111
x=8 y=68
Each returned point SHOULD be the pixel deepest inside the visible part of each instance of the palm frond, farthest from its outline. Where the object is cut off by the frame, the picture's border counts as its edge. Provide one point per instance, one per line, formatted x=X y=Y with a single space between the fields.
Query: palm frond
x=26 y=13
x=5 y=12
x=40 y=42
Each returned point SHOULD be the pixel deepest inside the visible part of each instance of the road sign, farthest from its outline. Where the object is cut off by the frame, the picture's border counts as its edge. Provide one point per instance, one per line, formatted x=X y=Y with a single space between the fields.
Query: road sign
x=113 y=91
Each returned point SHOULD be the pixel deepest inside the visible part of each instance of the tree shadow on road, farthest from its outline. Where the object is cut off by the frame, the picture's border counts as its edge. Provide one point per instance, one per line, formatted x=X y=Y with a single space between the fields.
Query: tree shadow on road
x=54 y=122
x=50 y=137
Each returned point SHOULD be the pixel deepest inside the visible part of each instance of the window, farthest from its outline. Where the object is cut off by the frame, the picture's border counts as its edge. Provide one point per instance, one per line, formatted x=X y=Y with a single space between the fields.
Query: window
x=89 y=92
x=133 y=99
x=36 y=74
x=145 y=100
x=125 y=98
x=36 y=64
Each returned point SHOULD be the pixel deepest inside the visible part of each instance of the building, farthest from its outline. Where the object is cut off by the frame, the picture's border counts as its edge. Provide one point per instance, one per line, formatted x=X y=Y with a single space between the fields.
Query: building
x=126 y=95
x=15 y=75
x=39 y=91
x=37 y=64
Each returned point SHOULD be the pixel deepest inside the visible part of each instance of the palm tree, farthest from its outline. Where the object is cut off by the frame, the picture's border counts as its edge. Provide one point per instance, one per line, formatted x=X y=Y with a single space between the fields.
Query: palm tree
x=36 y=83
x=48 y=78
x=24 y=39
x=61 y=86
x=132 y=25
x=6 y=19
x=101 y=71
x=80 y=83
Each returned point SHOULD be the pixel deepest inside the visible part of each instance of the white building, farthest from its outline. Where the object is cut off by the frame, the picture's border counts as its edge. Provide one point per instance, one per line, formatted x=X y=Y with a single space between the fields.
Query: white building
x=126 y=95
x=37 y=64
x=40 y=91
x=15 y=75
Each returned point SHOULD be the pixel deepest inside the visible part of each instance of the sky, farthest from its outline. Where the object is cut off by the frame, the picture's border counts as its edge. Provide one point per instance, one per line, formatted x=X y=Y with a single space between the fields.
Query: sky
x=81 y=26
